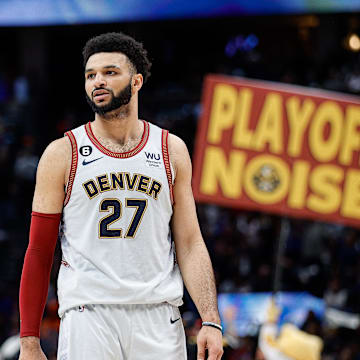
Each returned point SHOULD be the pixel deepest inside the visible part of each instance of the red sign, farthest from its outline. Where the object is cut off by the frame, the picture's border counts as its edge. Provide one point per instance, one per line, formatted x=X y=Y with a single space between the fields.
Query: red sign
x=279 y=148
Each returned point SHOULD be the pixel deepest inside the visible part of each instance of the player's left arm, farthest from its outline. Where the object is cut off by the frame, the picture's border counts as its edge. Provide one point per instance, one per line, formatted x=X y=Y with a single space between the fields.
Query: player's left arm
x=191 y=253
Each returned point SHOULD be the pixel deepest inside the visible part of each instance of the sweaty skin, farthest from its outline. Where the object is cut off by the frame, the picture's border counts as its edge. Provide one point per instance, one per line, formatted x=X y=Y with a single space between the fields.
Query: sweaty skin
x=120 y=131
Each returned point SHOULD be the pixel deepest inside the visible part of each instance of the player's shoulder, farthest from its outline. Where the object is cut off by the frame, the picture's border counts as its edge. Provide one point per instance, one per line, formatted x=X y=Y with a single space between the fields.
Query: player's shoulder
x=176 y=144
x=58 y=147
x=57 y=153
x=179 y=154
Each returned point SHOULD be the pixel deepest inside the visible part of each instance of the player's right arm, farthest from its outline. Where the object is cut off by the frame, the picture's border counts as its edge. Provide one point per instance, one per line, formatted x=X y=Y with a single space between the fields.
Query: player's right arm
x=51 y=177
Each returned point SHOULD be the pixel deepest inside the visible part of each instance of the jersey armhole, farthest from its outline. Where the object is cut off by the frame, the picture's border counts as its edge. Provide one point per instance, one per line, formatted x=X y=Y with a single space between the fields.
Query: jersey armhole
x=74 y=162
x=166 y=158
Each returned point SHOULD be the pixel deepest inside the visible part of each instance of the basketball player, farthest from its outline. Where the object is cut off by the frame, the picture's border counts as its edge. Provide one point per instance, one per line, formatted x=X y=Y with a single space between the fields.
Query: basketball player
x=126 y=182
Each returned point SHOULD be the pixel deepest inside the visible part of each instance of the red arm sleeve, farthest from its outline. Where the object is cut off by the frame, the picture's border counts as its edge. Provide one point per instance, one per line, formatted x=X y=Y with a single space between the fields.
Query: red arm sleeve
x=35 y=276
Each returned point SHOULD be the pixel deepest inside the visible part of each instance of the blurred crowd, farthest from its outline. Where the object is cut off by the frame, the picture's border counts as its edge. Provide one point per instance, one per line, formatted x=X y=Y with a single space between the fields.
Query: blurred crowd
x=322 y=259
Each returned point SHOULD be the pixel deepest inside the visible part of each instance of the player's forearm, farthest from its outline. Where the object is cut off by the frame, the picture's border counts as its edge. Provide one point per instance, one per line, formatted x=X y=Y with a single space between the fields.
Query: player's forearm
x=36 y=272
x=29 y=342
x=198 y=276
x=33 y=292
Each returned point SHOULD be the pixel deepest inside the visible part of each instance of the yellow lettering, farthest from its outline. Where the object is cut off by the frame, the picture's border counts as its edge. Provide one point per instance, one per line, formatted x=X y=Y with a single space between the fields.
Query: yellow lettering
x=269 y=129
x=351 y=198
x=324 y=182
x=242 y=135
x=222 y=111
x=298 y=186
x=351 y=140
x=328 y=113
x=298 y=118
x=219 y=172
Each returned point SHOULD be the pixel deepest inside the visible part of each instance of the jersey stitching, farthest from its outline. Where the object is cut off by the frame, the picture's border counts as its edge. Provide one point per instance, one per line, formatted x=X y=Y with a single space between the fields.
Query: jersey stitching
x=123 y=155
x=74 y=162
x=165 y=152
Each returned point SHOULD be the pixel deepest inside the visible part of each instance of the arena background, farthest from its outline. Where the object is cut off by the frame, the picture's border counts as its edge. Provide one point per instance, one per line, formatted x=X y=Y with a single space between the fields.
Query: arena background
x=308 y=43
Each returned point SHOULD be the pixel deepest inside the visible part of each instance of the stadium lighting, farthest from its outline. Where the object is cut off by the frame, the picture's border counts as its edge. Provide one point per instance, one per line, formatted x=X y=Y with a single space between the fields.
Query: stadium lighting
x=354 y=42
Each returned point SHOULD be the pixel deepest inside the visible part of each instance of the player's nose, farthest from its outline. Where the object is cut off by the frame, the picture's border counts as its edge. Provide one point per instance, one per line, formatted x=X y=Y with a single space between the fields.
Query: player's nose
x=99 y=81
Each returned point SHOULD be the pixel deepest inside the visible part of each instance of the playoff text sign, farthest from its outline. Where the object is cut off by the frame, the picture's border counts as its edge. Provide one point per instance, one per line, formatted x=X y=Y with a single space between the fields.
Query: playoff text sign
x=279 y=148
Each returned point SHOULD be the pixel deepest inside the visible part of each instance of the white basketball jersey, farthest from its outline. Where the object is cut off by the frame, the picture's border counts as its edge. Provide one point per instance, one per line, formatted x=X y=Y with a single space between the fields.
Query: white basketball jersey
x=115 y=239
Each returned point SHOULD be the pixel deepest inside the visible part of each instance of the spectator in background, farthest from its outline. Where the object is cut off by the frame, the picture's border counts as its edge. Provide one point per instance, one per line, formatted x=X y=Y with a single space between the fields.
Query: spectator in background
x=291 y=344
x=335 y=295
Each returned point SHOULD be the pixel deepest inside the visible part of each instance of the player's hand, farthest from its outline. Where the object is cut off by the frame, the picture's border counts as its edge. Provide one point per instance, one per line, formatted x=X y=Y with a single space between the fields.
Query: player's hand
x=32 y=355
x=210 y=339
x=30 y=349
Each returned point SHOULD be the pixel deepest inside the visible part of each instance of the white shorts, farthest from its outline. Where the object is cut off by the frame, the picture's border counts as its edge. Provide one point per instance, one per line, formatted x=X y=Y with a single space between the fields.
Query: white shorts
x=122 y=332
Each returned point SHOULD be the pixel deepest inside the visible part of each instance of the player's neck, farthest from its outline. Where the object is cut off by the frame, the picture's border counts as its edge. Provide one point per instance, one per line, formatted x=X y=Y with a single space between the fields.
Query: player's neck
x=119 y=130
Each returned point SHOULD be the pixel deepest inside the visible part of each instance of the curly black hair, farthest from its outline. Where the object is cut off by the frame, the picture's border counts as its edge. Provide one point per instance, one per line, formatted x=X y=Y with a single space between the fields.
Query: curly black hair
x=119 y=42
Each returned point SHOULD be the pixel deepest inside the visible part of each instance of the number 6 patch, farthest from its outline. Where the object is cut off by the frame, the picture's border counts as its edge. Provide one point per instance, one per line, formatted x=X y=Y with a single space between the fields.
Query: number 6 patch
x=85 y=150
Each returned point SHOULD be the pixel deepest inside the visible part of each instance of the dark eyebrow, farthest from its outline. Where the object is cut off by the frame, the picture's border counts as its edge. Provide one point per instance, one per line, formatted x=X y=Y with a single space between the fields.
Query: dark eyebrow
x=105 y=67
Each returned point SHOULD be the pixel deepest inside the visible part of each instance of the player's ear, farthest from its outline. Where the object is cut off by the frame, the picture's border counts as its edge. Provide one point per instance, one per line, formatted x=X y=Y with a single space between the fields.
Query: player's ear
x=137 y=82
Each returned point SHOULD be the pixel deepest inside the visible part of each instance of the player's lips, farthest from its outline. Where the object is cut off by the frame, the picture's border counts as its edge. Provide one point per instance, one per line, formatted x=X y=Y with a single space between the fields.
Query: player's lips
x=100 y=94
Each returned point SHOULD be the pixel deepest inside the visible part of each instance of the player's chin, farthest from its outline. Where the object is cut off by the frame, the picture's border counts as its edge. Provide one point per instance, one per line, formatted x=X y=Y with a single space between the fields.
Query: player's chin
x=101 y=102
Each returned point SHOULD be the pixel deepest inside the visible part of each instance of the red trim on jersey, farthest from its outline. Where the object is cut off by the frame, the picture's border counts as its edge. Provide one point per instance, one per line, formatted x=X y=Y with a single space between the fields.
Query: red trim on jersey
x=123 y=155
x=74 y=162
x=35 y=277
x=165 y=152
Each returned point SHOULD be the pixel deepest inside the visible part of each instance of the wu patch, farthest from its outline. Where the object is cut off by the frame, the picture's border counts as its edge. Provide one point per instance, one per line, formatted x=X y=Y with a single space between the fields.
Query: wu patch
x=153 y=159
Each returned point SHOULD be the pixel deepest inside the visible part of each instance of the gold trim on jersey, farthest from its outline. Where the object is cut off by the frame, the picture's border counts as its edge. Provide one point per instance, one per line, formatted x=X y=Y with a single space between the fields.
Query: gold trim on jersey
x=166 y=158
x=123 y=155
x=74 y=161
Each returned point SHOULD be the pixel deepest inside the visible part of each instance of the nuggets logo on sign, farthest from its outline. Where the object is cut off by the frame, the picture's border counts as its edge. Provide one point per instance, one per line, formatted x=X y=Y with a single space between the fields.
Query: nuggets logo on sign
x=266 y=178
x=279 y=148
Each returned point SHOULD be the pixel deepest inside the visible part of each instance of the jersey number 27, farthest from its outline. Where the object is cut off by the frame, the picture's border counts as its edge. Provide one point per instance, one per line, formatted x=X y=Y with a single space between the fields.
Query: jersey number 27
x=115 y=207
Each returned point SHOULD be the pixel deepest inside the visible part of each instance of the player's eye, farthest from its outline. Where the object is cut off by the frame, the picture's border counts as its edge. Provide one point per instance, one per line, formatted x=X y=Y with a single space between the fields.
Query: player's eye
x=110 y=72
x=90 y=76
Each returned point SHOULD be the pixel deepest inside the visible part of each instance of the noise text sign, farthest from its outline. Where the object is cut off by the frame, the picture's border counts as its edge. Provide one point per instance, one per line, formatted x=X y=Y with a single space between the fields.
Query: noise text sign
x=279 y=148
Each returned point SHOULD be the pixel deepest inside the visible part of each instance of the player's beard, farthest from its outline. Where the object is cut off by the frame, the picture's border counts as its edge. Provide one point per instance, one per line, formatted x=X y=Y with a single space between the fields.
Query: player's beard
x=116 y=102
